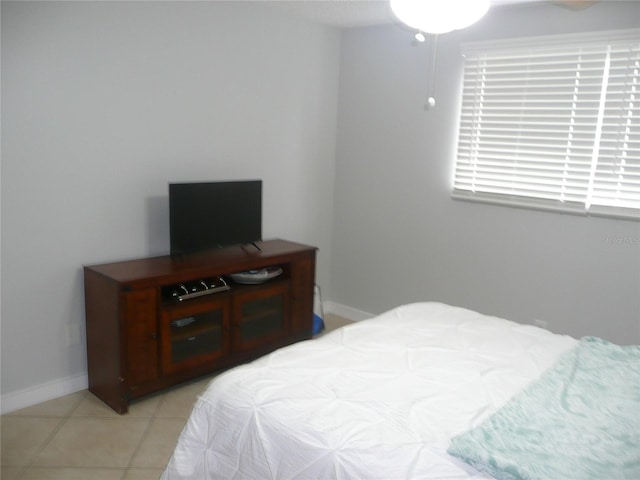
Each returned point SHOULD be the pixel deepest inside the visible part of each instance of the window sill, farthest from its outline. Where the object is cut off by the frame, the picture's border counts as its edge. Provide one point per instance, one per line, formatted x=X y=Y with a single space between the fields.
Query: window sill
x=619 y=213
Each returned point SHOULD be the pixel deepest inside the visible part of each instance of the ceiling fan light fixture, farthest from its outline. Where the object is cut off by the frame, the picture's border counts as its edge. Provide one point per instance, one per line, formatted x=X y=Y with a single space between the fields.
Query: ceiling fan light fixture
x=439 y=16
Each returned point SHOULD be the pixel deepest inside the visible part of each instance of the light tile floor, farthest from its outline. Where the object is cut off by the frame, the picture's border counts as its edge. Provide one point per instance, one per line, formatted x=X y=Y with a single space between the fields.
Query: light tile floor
x=77 y=437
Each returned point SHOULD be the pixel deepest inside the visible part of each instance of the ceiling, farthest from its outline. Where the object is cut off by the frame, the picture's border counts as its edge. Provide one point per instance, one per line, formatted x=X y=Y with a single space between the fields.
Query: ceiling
x=362 y=13
x=341 y=13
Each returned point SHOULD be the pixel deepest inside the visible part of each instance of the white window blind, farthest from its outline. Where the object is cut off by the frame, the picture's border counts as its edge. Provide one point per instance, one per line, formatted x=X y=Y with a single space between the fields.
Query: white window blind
x=552 y=122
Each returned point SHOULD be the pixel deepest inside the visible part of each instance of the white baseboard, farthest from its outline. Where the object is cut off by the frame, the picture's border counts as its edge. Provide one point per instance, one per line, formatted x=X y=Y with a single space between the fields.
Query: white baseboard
x=13 y=401
x=346 y=312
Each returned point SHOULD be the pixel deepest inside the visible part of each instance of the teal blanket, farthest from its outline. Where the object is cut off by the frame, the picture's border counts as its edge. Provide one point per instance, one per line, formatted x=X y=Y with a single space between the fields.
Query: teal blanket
x=580 y=420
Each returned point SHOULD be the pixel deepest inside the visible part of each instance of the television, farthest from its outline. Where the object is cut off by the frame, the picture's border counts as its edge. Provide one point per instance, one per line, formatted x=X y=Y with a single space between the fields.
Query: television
x=207 y=215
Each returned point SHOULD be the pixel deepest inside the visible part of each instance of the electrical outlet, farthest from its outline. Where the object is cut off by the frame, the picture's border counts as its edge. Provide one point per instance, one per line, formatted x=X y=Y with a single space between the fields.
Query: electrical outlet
x=540 y=323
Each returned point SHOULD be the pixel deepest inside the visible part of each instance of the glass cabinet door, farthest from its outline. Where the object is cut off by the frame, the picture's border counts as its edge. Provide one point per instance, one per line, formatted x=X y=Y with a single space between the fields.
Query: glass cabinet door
x=260 y=316
x=194 y=333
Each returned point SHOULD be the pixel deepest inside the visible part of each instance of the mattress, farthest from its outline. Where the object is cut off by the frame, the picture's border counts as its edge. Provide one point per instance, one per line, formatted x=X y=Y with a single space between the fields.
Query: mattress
x=378 y=399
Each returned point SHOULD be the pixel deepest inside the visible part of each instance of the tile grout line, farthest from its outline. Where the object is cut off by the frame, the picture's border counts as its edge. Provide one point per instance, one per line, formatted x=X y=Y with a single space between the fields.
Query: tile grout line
x=145 y=434
x=63 y=420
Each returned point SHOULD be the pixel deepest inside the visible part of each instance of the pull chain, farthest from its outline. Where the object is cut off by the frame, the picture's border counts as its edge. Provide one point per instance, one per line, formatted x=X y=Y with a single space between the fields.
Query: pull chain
x=431 y=98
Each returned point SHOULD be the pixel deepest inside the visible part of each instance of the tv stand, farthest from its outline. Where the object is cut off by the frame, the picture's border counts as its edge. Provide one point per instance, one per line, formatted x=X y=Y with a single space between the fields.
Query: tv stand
x=155 y=322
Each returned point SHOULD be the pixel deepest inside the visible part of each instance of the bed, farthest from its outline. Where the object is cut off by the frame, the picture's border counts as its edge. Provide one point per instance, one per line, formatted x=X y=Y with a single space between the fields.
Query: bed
x=424 y=391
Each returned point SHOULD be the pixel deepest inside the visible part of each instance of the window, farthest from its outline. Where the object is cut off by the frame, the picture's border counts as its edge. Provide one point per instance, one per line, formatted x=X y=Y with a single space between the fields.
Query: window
x=552 y=122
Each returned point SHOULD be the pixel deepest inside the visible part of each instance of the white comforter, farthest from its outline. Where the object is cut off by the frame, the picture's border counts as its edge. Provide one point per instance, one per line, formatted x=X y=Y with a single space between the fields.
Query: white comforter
x=379 y=399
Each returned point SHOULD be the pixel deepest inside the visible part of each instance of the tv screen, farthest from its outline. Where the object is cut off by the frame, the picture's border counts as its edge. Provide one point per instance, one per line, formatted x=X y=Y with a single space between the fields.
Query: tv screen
x=208 y=215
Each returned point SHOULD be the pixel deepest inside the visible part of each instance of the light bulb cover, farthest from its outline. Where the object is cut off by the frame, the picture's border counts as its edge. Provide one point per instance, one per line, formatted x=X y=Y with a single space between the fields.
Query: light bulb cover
x=439 y=16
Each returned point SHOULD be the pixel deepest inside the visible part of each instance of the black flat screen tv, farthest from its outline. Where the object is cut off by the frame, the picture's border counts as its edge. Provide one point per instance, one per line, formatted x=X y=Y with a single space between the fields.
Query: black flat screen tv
x=208 y=215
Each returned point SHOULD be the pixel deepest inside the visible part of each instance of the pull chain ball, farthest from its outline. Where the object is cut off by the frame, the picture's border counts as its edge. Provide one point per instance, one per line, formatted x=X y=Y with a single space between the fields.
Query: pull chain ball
x=431 y=102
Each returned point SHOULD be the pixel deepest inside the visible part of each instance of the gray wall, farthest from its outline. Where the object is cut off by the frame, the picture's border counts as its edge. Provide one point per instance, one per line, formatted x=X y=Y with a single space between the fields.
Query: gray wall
x=399 y=237
x=103 y=104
